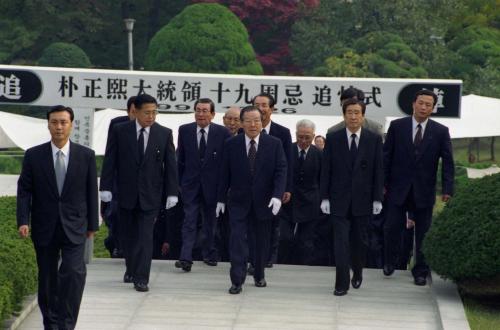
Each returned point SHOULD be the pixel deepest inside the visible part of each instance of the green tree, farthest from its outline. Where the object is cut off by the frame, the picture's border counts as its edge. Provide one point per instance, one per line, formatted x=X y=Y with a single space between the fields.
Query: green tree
x=63 y=54
x=203 y=38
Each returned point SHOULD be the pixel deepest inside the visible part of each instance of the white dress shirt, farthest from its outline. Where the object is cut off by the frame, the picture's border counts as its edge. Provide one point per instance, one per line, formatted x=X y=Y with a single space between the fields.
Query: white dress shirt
x=198 y=134
x=65 y=153
x=247 y=142
x=349 y=133
x=145 y=134
x=422 y=124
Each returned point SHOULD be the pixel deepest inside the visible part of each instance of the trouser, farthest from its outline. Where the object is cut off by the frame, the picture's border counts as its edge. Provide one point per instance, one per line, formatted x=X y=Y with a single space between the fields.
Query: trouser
x=138 y=248
x=351 y=240
x=245 y=232
x=192 y=211
x=60 y=287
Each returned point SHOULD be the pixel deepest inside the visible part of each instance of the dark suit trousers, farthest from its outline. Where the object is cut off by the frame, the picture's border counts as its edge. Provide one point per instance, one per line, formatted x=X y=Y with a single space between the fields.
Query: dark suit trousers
x=395 y=225
x=60 y=288
x=351 y=239
x=222 y=236
x=138 y=242
x=244 y=232
x=297 y=242
x=191 y=212
x=274 y=241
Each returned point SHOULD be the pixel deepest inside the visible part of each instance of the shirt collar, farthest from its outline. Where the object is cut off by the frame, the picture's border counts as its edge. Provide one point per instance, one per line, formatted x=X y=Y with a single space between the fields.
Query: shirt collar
x=415 y=123
x=138 y=127
x=206 y=128
x=349 y=133
x=268 y=127
x=256 y=139
x=64 y=149
x=306 y=150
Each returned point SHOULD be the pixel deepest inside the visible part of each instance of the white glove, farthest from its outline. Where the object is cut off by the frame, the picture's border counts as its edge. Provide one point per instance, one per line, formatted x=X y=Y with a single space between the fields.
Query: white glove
x=275 y=203
x=377 y=207
x=171 y=201
x=106 y=196
x=325 y=206
x=221 y=207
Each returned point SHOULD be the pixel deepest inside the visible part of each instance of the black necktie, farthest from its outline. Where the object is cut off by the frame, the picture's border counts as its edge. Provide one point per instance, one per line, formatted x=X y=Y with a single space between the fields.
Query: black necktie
x=203 y=144
x=264 y=131
x=252 y=153
x=418 y=136
x=302 y=157
x=140 y=145
x=354 y=149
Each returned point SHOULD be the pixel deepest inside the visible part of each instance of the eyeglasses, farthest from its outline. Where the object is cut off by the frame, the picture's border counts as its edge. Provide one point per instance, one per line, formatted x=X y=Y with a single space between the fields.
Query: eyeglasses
x=202 y=111
x=148 y=113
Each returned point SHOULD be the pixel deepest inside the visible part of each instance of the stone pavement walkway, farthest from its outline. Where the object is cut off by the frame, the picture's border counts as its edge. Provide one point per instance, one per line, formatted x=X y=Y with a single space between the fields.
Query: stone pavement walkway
x=297 y=297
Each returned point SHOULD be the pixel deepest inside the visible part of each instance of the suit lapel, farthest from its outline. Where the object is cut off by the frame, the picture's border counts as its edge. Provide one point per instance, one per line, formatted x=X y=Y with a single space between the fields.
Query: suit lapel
x=261 y=150
x=361 y=149
x=343 y=148
x=150 y=147
x=427 y=138
x=132 y=141
x=408 y=135
x=244 y=155
x=48 y=167
x=210 y=141
x=72 y=165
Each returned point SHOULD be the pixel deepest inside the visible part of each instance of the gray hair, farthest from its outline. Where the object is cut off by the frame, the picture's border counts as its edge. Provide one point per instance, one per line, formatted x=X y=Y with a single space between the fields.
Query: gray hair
x=306 y=123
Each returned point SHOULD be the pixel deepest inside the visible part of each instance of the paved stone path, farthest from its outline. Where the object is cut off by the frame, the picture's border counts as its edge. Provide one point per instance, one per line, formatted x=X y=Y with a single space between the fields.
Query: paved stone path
x=297 y=297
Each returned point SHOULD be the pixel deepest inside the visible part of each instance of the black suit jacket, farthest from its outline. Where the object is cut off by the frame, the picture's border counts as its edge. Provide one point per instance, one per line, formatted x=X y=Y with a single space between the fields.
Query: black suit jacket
x=404 y=170
x=356 y=186
x=194 y=174
x=140 y=182
x=283 y=133
x=38 y=198
x=306 y=198
x=240 y=189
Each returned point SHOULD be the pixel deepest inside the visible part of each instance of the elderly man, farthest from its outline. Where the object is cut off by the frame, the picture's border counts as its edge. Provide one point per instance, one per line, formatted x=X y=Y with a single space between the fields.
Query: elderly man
x=231 y=120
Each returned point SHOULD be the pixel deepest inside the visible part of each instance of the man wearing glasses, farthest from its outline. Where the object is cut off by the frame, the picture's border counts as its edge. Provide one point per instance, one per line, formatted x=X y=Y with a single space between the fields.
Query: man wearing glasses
x=143 y=155
x=199 y=157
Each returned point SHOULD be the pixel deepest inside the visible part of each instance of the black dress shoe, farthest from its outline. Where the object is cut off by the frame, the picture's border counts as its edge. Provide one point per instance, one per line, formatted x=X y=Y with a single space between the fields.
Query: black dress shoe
x=260 y=283
x=340 y=292
x=141 y=287
x=185 y=265
x=356 y=282
x=210 y=262
x=388 y=270
x=128 y=278
x=420 y=281
x=250 y=270
x=235 y=289
x=269 y=265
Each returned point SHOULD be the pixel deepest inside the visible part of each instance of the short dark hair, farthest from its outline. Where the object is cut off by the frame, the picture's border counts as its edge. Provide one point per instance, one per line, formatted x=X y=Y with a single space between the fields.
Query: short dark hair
x=271 y=99
x=142 y=99
x=351 y=93
x=60 y=108
x=320 y=137
x=425 y=92
x=349 y=102
x=205 y=100
x=249 y=108
x=130 y=101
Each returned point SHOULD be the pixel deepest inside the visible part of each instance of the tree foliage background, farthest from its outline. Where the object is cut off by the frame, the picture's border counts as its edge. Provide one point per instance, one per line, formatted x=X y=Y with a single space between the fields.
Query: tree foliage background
x=458 y=39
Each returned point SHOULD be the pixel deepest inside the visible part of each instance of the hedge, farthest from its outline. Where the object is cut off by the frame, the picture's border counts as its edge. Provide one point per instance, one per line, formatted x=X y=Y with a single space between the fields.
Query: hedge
x=18 y=270
x=463 y=243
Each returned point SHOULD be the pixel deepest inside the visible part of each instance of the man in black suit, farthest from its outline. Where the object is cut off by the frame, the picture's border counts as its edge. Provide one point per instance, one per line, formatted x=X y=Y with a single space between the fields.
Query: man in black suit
x=199 y=156
x=352 y=189
x=265 y=102
x=143 y=155
x=252 y=184
x=412 y=150
x=57 y=188
x=110 y=211
x=299 y=218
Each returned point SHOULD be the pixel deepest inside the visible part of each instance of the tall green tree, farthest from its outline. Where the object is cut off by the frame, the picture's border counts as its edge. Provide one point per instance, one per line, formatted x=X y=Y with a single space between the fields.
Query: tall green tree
x=61 y=54
x=203 y=38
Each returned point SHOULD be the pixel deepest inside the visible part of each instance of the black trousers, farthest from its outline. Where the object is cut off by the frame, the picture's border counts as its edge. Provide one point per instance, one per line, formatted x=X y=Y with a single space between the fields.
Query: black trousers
x=351 y=239
x=60 y=287
x=138 y=242
x=394 y=226
x=297 y=242
x=244 y=232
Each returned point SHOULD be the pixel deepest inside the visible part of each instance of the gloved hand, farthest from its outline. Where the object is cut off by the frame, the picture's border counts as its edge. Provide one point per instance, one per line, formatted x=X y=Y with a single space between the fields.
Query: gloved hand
x=325 y=206
x=219 y=209
x=377 y=207
x=106 y=196
x=171 y=201
x=275 y=203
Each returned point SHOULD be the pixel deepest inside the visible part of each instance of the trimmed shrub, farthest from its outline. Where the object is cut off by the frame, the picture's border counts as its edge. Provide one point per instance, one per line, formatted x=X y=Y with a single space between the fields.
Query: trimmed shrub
x=62 y=54
x=463 y=243
x=205 y=37
x=18 y=271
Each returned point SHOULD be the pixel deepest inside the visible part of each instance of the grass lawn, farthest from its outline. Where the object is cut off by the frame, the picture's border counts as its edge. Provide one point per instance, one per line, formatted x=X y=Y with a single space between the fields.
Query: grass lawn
x=482 y=314
x=99 y=249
